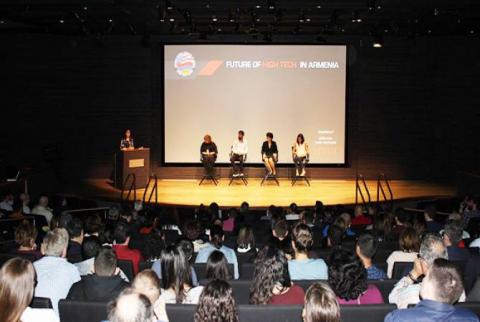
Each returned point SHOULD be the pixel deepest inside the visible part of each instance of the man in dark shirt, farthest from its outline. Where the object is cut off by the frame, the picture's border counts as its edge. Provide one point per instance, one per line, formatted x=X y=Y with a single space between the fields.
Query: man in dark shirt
x=452 y=235
x=104 y=285
x=208 y=151
x=75 y=233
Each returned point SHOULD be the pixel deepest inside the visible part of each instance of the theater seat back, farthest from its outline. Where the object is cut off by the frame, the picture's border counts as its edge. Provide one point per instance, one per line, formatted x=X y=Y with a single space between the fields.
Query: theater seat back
x=270 y=313
x=180 y=312
x=82 y=311
x=368 y=312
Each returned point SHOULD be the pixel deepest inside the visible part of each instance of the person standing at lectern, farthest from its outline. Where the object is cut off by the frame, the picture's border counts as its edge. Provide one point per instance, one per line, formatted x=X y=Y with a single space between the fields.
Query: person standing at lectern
x=239 y=153
x=127 y=141
x=209 y=152
x=270 y=154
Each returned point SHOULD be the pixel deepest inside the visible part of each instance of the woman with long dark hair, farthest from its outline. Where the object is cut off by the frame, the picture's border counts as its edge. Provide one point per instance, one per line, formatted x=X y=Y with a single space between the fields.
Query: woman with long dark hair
x=17 y=280
x=271 y=282
x=127 y=141
x=216 y=303
x=320 y=304
x=300 y=155
x=217 y=267
x=176 y=278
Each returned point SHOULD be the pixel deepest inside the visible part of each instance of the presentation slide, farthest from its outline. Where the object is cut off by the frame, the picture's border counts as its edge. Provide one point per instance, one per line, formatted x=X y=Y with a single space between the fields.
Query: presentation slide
x=284 y=89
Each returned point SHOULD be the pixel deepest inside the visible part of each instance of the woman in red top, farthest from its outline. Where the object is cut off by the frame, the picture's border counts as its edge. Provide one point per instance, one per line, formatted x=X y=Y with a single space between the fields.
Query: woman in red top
x=271 y=281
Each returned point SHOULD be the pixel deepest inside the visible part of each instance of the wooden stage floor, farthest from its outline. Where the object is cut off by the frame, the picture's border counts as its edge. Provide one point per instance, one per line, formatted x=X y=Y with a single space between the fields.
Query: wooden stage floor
x=331 y=192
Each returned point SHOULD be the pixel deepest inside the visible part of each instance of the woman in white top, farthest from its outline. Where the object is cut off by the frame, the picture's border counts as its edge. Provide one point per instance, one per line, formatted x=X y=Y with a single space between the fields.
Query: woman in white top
x=177 y=279
x=409 y=243
x=17 y=279
x=300 y=155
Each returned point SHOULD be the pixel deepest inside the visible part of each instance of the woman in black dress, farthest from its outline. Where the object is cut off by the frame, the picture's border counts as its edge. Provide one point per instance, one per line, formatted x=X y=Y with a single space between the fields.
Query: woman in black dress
x=270 y=154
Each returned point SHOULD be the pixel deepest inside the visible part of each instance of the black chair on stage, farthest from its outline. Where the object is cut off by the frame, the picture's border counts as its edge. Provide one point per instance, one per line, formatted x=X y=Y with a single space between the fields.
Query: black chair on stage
x=237 y=176
x=206 y=175
x=269 y=176
x=298 y=176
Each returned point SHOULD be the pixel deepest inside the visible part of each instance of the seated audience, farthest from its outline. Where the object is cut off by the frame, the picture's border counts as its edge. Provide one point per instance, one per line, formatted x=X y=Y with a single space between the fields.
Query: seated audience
x=105 y=284
x=246 y=241
x=360 y=219
x=216 y=303
x=469 y=208
x=93 y=225
x=177 y=286
x=55 y=275
x=216 y=243
x=402 y=220
x=320 y=304
x=147 y=283
x=335 y=237
x=75 y=232
x=409 y=244
x=407 y=290
x=6 y=205
x=193 y=230
x=429 y=215
x=25 y=236
x=293 y=213
x=154 y=244
x=217 y=267
x=302 y=267
x=17 y=279
x=348 y=279
x=42 y=209
x=452 y=236
x=229 y=220
x=17 y=209
x=365 y=250
x=440 y=289
x=122 y=237
x=131 y=306
x=25 y=198
x=271 y=282
x=281 y=238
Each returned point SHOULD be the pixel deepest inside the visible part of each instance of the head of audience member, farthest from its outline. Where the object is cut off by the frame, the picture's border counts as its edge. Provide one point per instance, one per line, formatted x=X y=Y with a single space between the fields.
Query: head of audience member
x=90 y=247
x=43 y=201
x=216 y=304
x=293 y=208
x=55 y=243
x=244 y=207
x=176 y=272
x=442 y=283
x=270 y=275
x=471 y=203
x=121 y=234
x=335 y=236
x=25 y=198
x=65 y=220
x=186 y=246
x=302 y=241
x=429 y=212
x=300 y=139
x=217 y=266
x=452 y=233
x=431 y=248
x=154 y=244
x=307 y=217
x=246 y=238
x=241 y=134
x=358 y=211
x=216 y=236
x=269 y=137
x=105 y=263
x=17 y=208
x=280 y=230
x=75 y=230
x=25 y=236
x=147 y=283
x=8 y=197
x=347 y=219
x=17 y=282
x=409 y=240
x=420 y=225
x=346 y=275
x=192 y=230
x=402 y=217
x=207 y=139
x=93 y=225
x=321 y=304
x=366 y=248
x=130 y=306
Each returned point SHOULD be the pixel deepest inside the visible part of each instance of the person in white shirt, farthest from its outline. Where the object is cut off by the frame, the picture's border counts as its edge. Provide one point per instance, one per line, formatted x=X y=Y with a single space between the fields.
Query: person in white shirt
x=239 y=153
x=7 y=202
x=43 y=209
x=17 y=279
x=25 y=198
x=409 y=243
x=55 y=275
x=300 y=155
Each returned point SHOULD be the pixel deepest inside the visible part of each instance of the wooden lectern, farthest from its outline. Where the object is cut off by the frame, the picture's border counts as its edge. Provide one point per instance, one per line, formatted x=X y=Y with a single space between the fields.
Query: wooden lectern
x=133 y=161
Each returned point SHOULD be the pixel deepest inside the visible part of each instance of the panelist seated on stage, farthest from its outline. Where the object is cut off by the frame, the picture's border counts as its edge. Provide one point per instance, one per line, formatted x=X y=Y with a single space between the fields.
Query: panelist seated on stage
x=127 y=141
x=270 y=154
x=300 y=155
x=239 y=153
x=208 y=151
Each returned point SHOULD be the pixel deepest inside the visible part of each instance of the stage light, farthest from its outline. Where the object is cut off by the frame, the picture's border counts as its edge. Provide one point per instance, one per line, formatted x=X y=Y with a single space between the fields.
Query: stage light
x=355 y=17
x=377 y=41
x=61 y=21
x=301 y=17
x=271 y=5
x=214 y=19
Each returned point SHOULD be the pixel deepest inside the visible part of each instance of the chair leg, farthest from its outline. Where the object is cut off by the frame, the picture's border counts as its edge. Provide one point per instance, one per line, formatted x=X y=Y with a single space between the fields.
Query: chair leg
x=201 y=181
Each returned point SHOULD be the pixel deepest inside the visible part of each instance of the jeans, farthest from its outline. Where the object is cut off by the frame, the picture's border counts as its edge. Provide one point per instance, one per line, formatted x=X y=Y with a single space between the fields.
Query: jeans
x=299 y=163
x=208 y=162
x=237 y=167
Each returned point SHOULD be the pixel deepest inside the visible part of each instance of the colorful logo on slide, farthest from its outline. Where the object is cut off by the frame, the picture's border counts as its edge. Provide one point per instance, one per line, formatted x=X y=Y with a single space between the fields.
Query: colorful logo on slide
x=184 y=64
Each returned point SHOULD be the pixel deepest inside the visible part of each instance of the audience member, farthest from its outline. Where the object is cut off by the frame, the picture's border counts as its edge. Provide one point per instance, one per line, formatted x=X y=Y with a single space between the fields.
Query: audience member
x=131 y=306
x=90 y=248
x=229 y=220
x=293 y=213
x=147 y=283
x=17 y=209
x=154 y=243
x=246 y=241
x=348 y=279
x=217 y=267
x=302 y=267
x=17 y=279
x=469 y=208
x=320 y=304
x=25 y=198
x=429 y=215
x=42 y=209
x=55 y=275
x=7 y=202
x=122 y=237
x=409 y=244
x=193 y=230
x=452 y=236
x=281 y=238
x=75 y=232
x=402 y=220
x=105 y=284
x=216 y=303
x=93 y=225
x=335 y=237
x=176 y=278
x=216 y=243
x=271 y=282
x=360 y=219
x=365 y=250
x=440 y=289
x=25 y=236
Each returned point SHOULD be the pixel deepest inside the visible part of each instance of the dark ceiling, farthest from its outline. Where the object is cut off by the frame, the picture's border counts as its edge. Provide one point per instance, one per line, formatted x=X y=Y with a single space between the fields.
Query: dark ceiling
x=201 y=18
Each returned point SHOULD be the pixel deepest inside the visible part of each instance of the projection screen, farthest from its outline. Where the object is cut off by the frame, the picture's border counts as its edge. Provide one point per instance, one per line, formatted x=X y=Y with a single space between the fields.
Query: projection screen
x=283 y=89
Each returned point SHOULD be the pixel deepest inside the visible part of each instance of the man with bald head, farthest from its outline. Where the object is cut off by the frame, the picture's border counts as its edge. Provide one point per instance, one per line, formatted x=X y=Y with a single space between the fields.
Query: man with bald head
x=131 y=306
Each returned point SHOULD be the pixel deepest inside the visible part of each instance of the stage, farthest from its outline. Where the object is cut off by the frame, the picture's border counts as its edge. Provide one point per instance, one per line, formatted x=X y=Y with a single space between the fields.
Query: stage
x=331 y=192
